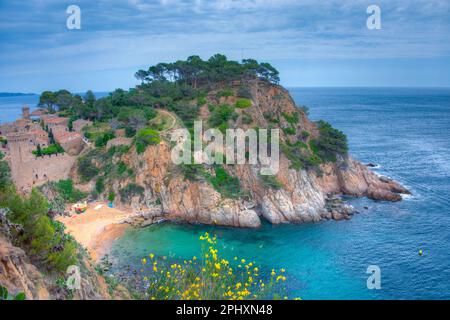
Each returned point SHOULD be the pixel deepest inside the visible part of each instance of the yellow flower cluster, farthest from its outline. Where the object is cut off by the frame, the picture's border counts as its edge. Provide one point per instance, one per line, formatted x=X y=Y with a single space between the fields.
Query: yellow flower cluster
x=211 y=277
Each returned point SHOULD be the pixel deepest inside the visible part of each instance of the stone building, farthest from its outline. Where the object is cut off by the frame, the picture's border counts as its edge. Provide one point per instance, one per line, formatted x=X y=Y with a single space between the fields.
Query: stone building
x=26 y=112
x=23 y=136
x=79 y=124
x=72 y=142
x=53 y=122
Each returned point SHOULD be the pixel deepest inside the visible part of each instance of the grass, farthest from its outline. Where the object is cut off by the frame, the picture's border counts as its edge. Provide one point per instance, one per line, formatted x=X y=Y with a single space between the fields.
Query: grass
x=243 y=103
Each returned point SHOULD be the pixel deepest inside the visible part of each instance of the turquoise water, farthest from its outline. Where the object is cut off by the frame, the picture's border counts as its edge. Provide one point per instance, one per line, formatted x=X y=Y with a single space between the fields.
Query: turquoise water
x=406 y=132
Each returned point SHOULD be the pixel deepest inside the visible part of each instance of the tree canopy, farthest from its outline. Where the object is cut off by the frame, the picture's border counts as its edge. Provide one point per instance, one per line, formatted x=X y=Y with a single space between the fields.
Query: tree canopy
x=197 y=72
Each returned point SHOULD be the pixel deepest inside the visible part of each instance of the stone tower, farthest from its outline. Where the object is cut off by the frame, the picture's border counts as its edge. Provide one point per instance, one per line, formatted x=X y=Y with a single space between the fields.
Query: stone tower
x=18 y=145
x=26 y=112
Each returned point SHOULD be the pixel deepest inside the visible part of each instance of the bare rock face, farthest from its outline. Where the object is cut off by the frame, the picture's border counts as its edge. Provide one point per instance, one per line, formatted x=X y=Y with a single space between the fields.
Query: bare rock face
x=17 y=275
x=304 y=195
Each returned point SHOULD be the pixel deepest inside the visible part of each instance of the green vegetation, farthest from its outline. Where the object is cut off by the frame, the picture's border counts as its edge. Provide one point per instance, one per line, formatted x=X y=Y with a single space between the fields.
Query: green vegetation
x=68 y=192
x=3 y=141
x=246 y=118
x=196 y=72
x=225 y=93
x=100 y=185
x=87 y=169
x=271 y=182
x=300 y=157
x=192 y=172
x=111 y=196
x=5 y=173
x=51 y=149
x=290 y=131
x=293 y=118
x=244 y=92
x=243 y=103
x=220 y=115
x=103 y=139
x=330 y=143
x=212 y=277
x=4 y=295
x=130 y=191
x=305 y=134
x=186 y=112
x=43 y=238
x=146 y=137
x=227 y=185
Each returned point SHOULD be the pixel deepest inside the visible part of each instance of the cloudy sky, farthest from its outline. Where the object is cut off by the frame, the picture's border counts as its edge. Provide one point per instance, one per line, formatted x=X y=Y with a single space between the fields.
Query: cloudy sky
x=311 y=42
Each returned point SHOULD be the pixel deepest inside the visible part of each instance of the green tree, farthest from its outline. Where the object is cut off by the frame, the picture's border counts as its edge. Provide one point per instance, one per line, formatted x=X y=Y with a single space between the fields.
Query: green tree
x=39 y=151
x=48 y=100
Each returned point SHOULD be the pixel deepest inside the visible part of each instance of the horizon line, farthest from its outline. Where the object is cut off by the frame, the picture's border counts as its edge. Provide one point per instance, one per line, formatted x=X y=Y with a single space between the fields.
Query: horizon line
x=287 y=87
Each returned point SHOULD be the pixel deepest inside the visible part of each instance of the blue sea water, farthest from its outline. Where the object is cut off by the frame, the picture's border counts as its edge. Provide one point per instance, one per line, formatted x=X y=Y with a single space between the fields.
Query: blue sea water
x=406 y=132
x=11 y=107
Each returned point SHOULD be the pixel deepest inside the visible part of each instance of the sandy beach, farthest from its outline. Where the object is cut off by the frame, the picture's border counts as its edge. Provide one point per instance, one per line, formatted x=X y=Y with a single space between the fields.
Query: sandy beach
x=97 y=229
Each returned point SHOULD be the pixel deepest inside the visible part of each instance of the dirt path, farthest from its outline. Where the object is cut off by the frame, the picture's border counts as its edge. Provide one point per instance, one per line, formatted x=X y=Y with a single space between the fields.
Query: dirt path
x=171 y=116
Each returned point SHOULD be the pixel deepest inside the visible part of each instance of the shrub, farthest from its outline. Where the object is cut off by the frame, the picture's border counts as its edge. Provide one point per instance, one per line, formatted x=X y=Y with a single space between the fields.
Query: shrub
x=51 y=149
x=100 y=185
x=290 y=131
x=212 y=277
x=86 y=168
x=121 y=167
x=220 y=115
x=186 y=112
x=291 y=118
x=111 y=196
x=247 y=119
x=271 y=182
x=103 y=139
x=70 y=194
x=330 y=143
x=5 y=173
x=5 y=295
x=300 y=157
x=225 y=93
x=225 y=184
x=130 y=191
x=243 y=103
x=146 y=137
x=244 y=92
x=44 y=239
x=192 y=172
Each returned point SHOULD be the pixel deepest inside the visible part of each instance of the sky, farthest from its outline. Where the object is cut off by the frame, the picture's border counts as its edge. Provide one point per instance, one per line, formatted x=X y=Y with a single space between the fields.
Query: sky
x=312 y=43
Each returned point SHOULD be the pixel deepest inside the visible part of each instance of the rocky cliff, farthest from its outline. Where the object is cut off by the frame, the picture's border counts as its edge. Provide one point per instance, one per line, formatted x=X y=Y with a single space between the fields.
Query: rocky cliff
x=19 y=274
x=304 y=195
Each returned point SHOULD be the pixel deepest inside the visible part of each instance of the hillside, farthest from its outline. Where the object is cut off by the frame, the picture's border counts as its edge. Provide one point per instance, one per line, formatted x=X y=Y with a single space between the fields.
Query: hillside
x=136 y=170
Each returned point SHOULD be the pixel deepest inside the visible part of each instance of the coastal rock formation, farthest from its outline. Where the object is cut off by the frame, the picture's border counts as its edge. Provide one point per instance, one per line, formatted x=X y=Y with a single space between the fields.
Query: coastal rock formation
x=304 y=195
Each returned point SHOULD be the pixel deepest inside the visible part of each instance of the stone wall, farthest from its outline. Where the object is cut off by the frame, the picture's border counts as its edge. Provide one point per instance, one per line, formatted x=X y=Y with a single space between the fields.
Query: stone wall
x=28 y=171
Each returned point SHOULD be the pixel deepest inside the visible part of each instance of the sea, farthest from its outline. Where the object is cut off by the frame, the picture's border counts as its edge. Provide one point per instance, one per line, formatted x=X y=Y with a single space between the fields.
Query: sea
x=406 y=133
